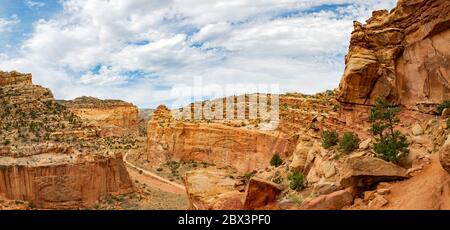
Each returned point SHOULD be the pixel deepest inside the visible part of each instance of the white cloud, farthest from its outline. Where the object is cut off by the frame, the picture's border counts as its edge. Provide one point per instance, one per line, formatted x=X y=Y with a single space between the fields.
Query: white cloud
x=138 y=49
x=7 y=23
x=34 y=4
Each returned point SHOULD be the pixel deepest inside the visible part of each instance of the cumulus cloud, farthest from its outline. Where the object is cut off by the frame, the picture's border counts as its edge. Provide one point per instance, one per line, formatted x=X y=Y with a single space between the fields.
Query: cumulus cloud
x=138 y=50
x=7 y=23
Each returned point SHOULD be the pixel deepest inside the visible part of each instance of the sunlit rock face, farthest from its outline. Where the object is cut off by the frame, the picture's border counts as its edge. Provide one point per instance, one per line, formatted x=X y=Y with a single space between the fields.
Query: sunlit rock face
x=48 y=156
x=114 y=117
x=402 y=55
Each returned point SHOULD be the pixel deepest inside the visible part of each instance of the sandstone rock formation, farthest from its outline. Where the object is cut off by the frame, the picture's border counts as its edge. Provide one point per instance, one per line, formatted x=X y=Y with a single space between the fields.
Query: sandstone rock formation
x=114 y=117
x=402 y=55
x=14 y=78
x=260 y=193
x=212 y=190
x=48 y=156
x=445 y=155
x=334 y=201
x=63 y=181
x=366 y=171
x=427 y=190
x=213 y=143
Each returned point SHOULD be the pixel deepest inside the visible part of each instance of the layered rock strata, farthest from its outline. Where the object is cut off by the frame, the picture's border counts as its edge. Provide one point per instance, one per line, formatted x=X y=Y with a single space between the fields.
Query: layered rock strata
x=48 y=156
x=402 y=55
x=114 y=117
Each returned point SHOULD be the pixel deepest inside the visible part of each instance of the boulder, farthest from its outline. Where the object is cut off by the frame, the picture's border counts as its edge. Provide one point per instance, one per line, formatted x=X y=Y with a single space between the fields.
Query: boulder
x=378 y=202
x=334 y=201
x=260 y=193
x=229 y=201
x=365 y=171
x=444 y=155
x=328 y=169
x=210 y=190
x=417 y=130
x=325 y=187
x=446 y=113
x=364 y=145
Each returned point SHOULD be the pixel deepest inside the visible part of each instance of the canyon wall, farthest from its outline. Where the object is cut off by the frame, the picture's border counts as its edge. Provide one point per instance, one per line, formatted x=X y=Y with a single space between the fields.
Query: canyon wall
x=114 y=117
x=14 y=78
x=65 y=182
x=214 y=143
x=402 y=55
x=48 y=156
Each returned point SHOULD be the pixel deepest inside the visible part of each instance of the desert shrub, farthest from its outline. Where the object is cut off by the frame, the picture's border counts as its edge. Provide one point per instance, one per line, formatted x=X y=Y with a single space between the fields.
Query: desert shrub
x=444 y=105
x=296 y=180
x=276 y=160
x=329 y=139
x=390 y=145
x=349 y=142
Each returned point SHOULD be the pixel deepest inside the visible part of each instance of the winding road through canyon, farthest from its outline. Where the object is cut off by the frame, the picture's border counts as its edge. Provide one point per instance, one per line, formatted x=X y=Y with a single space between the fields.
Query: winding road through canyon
x=151 y=179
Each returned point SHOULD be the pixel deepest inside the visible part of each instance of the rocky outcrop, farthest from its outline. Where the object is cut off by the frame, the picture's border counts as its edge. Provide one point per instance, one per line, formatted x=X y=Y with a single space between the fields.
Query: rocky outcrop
x=365 y=171
x=214 y=143
x=114 y=117
x=444 y=155
x=14 y=78
x=65 y=181
x=260 y=193
x=402 y=55
x=48 y=156
x=429 y=189
x=334 y=201
x=212 y=190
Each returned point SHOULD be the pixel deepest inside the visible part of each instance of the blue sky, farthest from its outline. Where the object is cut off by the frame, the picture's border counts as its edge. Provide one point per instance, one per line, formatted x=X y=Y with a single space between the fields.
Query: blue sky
x=27 y=12
x=140 y=50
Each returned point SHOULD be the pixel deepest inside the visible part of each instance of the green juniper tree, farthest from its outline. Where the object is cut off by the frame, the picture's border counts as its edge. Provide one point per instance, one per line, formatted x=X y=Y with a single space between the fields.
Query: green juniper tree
x=391 y=144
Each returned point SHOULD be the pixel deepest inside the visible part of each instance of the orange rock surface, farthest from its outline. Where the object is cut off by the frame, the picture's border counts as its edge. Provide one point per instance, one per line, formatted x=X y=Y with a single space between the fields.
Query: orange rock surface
x=401 y=55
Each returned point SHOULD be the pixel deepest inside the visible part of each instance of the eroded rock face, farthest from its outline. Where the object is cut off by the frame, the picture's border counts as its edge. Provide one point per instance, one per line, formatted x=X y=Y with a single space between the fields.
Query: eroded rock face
x=363 y=171
x=212 y=190
x=114 y=117
x=65 y=182
x=219 y=144
x=14 y=78
x=334 y=201
x=48 y=156
x=260 y=193
x=402 y=56
x=444 y=155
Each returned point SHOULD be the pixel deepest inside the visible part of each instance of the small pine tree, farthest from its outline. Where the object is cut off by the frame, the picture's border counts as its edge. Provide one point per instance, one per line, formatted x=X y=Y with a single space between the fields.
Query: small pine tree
x=391 y=145
x=276 y=160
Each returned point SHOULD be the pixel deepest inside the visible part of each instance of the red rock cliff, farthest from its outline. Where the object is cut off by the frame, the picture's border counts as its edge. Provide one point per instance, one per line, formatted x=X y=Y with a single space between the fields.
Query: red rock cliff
x=402 y=55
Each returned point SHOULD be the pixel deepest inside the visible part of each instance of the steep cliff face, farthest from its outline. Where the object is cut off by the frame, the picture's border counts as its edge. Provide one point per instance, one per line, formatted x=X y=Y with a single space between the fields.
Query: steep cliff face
x=48 y=156
x=49 y=181
x=14 y=78
x=402 y=55
x=114 y=117
x=213 y=143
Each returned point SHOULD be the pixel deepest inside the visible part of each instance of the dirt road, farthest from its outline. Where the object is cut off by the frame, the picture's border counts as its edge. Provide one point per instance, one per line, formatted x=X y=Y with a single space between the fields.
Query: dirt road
x=152 y=180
